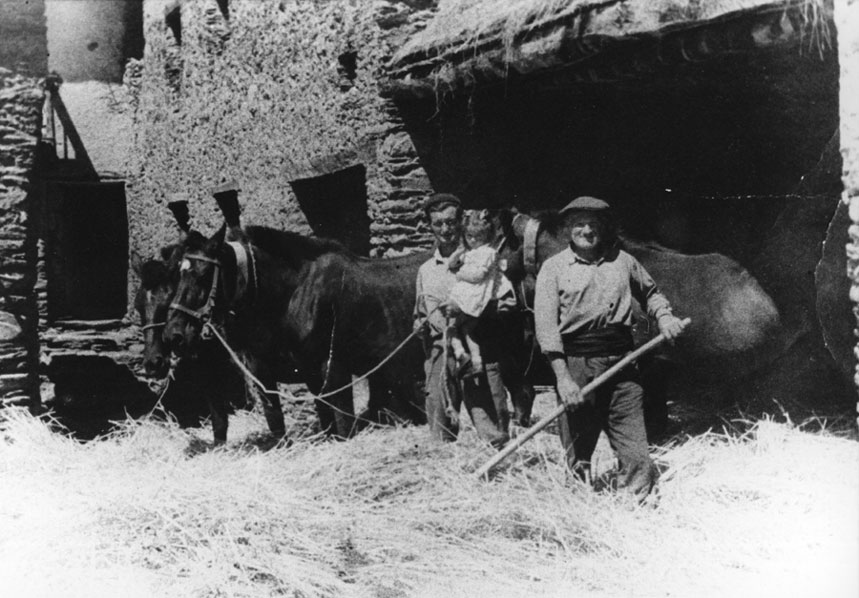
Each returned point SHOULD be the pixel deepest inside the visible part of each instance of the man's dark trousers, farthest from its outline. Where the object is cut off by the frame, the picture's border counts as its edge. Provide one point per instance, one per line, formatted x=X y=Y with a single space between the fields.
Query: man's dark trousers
x=616 y=407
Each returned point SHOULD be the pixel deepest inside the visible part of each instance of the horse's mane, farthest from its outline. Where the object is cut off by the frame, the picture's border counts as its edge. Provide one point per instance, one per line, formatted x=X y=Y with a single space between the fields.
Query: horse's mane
x=292 y=246
x=154 y=273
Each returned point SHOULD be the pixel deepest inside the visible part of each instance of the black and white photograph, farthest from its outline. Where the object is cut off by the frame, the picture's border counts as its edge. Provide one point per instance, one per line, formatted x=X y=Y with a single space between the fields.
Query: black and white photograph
x=429 y=298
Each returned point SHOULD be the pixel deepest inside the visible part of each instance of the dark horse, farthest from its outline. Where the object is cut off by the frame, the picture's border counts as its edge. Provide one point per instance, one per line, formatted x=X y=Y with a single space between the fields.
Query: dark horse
x=736 y=327
x=205 y=383
x=278 y=294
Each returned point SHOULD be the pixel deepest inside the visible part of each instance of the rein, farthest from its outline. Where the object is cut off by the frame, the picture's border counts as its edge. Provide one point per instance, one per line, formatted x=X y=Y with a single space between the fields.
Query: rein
x=320 y=397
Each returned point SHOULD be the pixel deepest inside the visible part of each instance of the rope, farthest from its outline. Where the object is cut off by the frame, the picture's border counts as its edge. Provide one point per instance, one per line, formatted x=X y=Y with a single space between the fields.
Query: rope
x=452 y=413
x=319 y=397
x=158 y=404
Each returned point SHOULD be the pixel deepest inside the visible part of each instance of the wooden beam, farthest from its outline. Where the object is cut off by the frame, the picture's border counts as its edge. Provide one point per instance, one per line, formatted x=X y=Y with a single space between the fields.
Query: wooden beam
x=69 y=129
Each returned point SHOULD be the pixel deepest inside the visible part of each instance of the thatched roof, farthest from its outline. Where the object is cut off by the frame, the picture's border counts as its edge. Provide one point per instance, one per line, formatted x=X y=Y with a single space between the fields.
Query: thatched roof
x=468 y=38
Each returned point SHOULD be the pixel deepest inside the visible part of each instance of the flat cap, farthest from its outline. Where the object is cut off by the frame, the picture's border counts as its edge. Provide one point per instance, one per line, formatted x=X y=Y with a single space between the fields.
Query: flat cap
x=231 y=185
x=437 y=201
x=585 y=202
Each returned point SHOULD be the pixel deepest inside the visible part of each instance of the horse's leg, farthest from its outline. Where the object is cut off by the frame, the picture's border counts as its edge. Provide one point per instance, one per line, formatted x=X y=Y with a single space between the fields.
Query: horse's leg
x=264 y=371
x=521 y=391
x=397 y=390
x=223 y=387
x=335 y=375
x=219 y=414
x=654 y=376
x=513 y=365
x=494 y=377
x=324 y=412
x=386 y=404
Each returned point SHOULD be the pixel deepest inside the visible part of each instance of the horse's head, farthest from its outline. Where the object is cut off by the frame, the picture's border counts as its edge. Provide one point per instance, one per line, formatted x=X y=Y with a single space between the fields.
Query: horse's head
x=529 y=241
x=152 y=300
x=199 y=291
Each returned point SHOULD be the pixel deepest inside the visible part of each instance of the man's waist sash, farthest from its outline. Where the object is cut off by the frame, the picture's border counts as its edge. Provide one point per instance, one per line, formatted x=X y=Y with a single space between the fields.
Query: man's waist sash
x=615 y=339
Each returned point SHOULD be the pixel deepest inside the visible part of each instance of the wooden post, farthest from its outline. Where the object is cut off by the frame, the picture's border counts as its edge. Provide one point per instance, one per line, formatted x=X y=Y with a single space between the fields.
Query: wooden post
x=847 y=25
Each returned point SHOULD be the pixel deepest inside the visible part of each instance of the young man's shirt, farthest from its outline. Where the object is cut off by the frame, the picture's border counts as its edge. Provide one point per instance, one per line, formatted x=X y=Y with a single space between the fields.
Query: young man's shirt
x=432 y=288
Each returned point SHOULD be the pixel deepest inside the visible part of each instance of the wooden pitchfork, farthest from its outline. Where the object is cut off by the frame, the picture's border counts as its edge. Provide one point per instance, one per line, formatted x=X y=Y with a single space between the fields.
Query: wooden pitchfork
x=593 y=384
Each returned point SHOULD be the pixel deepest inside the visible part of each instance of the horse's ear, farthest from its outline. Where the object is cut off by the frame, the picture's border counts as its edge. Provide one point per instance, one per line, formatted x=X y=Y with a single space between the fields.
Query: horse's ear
x=179 y=207
x=136 y=263
x=228 y=202
x=227 y=197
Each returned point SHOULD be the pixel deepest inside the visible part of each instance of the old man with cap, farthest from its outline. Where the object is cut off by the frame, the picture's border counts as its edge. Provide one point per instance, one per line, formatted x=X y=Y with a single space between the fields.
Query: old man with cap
x=445 y=391
x=583 y=319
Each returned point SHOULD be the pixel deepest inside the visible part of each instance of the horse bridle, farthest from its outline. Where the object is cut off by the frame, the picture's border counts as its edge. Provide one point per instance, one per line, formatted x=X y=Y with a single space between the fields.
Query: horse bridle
x=246 y=274
x=204 y=314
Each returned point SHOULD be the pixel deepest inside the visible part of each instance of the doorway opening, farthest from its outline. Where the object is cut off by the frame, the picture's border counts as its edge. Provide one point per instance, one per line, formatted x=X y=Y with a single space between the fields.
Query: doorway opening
x=86 y=250
x=335 y=205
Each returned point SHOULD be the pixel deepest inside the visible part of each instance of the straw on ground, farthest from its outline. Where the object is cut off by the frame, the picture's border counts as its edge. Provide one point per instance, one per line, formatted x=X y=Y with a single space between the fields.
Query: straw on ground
x=391 y=513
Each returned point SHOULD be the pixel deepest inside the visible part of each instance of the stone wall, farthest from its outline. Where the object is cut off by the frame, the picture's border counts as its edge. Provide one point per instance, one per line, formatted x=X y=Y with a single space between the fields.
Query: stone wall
x=272 y=93
x=847 y=22
x=23 y=64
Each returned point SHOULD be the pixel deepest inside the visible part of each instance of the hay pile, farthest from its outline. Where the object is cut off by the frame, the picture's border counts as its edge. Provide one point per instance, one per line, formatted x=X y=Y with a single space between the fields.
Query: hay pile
x=391 y=514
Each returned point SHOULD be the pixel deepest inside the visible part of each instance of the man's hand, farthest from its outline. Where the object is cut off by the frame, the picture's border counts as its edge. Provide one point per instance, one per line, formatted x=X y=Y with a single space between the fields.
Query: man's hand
x=569 y=392
x=454 y=262
x=670 y=326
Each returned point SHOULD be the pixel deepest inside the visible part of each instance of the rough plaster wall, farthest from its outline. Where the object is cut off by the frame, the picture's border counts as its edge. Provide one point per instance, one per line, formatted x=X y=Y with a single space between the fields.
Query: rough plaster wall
x=261 y=98
x=88 y=40
x=23 y=62
x=102 y=116
x=847 y=22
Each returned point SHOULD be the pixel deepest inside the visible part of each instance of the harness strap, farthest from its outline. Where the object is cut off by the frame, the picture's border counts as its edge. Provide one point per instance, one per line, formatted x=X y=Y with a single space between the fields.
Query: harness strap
x=202 y=258
x=529 y=249
x=198 y=314
x=153 y=325
x=245 y=279
x=242 y=270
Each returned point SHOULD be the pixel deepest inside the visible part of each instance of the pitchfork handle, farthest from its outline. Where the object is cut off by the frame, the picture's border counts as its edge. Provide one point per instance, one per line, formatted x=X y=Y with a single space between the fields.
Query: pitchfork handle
x=531 y=432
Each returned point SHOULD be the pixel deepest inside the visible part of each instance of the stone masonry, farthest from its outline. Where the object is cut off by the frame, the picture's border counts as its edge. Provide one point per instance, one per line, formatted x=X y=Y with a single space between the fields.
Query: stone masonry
x=847 y=21
x=23 y=64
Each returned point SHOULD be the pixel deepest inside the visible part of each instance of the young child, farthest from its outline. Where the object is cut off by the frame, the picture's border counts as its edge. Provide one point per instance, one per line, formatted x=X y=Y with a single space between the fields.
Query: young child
x=478 y=281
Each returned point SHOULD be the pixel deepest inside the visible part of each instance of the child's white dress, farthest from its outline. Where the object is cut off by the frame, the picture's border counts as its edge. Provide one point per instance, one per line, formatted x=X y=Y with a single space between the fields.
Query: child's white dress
x=478 y=281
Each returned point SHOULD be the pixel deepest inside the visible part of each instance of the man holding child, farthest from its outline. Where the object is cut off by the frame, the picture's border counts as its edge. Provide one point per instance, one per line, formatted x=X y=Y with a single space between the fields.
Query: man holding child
x=451 y=381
